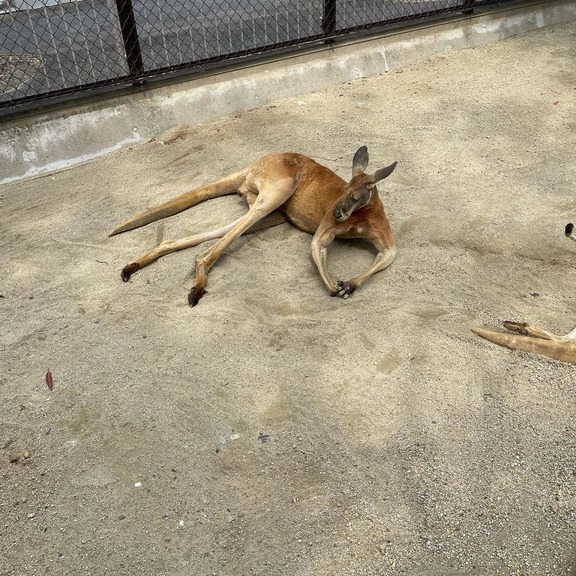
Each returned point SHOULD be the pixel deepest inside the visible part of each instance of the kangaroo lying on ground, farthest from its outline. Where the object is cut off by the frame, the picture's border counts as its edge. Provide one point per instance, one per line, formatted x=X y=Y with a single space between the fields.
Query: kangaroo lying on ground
x=533 y=339
x=282 y=187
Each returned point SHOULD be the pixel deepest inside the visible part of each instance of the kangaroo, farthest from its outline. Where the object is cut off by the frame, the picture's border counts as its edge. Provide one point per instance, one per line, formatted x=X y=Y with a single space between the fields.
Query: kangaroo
x=533 y=339
x=279 y=188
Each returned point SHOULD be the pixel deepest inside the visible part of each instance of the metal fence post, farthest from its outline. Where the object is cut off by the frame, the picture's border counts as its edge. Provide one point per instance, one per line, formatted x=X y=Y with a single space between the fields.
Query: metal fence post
x=130 y=37
x=329 y=18
x=468 y=7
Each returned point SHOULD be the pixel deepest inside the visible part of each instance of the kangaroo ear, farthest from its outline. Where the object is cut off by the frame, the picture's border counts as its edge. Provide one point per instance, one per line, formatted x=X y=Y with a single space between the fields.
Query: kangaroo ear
x=360 y=161
x=382 y=173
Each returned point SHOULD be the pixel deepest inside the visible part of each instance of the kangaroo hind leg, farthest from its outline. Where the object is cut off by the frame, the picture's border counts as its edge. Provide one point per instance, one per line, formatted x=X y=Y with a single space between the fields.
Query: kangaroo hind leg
x=270 y=197
x=169 y=246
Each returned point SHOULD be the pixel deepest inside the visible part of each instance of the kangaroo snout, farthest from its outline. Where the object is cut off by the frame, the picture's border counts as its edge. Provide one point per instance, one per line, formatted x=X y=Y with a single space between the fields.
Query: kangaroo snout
x=340 y=214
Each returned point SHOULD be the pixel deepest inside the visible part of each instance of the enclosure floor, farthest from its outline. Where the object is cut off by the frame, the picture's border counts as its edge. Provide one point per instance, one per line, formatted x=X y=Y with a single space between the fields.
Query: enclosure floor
x=273 y=430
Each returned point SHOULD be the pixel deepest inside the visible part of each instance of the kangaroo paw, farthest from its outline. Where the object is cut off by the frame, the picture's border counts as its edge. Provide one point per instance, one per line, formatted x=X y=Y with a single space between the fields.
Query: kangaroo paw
x=344 y=289
x=519 y=327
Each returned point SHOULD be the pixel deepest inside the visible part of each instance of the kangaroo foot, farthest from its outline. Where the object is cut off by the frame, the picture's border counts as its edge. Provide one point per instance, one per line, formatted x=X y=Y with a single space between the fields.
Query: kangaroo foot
x=128 y=270
x=195 y=294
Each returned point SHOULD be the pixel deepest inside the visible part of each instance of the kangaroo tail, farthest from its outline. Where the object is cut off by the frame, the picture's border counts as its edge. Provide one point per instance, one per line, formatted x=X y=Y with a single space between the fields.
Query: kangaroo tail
x=512 y=341
x=227 y=185
x=563 y=351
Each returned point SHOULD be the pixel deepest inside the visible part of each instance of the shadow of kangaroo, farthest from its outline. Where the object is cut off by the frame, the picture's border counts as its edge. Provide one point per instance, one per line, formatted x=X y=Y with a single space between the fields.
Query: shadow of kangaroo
x=278 y=188
x=534 y=339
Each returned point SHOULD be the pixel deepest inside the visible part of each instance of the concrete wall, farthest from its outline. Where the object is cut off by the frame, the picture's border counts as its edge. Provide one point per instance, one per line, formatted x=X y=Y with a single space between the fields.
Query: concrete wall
x=28 y=4
x=58 y=139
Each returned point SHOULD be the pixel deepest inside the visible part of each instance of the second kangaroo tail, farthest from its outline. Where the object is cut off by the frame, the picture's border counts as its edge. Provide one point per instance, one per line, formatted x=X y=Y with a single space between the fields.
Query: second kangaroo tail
x=565 y=351
x=227 y=185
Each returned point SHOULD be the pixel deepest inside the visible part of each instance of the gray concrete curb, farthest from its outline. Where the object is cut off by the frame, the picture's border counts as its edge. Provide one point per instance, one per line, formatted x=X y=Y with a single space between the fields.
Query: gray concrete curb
x=63 y=138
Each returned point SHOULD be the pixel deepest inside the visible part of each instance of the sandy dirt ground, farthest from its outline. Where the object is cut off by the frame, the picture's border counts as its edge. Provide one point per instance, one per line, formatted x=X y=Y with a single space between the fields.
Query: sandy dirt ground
x=273 y=430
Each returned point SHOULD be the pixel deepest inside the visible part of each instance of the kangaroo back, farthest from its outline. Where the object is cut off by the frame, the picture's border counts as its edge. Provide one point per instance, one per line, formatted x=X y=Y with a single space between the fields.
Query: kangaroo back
x=222 y=187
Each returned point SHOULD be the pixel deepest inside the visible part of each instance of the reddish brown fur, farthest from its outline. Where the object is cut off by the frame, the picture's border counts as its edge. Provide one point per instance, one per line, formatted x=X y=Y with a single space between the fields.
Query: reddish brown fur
x=306 y=193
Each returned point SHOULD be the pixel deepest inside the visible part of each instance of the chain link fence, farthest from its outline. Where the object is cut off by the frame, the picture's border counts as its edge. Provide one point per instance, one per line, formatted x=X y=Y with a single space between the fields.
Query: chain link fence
x=58 y=48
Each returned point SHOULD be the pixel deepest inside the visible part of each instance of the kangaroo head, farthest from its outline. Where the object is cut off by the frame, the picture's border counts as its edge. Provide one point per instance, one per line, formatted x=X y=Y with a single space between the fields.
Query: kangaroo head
x=362 y=188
